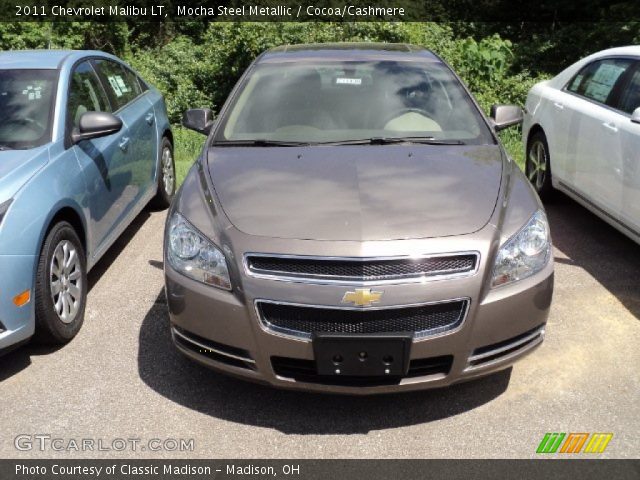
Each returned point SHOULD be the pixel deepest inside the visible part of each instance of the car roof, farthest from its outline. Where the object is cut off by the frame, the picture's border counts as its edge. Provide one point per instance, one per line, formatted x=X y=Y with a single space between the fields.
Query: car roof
x=348 y=51
x=43 y=59
x=632 y=50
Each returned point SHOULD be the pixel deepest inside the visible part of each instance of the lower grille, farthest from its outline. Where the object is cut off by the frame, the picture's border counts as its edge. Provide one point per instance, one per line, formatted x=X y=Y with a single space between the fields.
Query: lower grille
x=496 y=351
x=302 y=370
x=420 y=320
x=236 y=357
x=349 y=270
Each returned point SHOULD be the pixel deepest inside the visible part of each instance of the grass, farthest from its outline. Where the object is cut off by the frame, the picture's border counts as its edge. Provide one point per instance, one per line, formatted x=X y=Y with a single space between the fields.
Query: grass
x=188 y=145
x=512 y=140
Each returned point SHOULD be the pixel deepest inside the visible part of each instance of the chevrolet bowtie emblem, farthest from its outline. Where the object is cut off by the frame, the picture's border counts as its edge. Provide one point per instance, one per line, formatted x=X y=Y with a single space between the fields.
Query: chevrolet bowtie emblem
x=362 y=297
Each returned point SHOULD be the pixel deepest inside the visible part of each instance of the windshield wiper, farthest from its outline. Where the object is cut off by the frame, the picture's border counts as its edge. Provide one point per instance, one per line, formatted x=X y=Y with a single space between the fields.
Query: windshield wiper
x=395 y=140
x=258 y=143
x=5 y=147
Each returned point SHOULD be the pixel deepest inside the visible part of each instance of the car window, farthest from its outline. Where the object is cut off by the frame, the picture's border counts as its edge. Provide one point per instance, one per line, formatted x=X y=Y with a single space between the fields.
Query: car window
x=120 y=82
x=26 y=105
x=328 y=101
x=143 y=85
x=597 y=80
x=85 y=94
x=630 y=98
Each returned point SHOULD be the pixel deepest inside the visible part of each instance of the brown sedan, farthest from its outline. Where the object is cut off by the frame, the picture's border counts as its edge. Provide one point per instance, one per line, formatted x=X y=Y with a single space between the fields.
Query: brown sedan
x=353 y=225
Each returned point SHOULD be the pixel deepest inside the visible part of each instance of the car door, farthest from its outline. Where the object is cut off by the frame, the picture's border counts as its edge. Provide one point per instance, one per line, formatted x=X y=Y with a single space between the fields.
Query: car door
x=137 y=113
x=630 y=160
x=594 y=144
x=102 y=159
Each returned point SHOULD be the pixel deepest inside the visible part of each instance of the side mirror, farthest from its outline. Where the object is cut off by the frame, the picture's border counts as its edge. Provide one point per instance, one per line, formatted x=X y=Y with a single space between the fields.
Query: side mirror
x=95 y=125
x=505 y=116
x=635 y=116
x=198 y=119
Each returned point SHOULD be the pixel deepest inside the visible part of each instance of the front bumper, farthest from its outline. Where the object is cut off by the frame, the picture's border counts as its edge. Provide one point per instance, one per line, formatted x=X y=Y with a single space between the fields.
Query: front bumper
x=17 y=324
x=222 y=330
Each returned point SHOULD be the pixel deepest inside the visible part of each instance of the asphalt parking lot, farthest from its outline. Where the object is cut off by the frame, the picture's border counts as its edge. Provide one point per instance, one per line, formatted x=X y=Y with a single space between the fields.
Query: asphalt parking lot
x=121 y=378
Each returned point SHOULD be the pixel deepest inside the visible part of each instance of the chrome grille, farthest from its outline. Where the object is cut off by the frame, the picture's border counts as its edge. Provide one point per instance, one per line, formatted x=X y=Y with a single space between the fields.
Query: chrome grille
x=361 y=269
x=304 y=320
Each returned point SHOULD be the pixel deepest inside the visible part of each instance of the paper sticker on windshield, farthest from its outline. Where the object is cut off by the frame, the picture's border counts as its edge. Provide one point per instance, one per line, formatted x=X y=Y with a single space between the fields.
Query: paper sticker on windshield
x=33 y=93
x=348 y=81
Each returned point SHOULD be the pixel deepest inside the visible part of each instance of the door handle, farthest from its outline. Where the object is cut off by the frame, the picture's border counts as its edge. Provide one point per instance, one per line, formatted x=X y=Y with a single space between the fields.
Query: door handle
x=611 y=127
x=124 y=144
x=149 y=118
x=558 y=105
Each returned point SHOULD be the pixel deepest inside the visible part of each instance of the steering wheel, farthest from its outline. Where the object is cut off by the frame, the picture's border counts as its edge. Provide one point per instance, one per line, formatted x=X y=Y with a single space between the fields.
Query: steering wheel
x=402 y=111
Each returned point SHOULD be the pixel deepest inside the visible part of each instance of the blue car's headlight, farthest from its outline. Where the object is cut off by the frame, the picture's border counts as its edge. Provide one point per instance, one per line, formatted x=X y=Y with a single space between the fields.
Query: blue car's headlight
x=191 y=254
x=524 y=254
x=3 y=209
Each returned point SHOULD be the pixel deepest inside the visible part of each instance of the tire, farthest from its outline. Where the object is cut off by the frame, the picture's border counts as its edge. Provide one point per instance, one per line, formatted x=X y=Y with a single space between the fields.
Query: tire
x=166 y=176
x=62 y=266
x=538 y=166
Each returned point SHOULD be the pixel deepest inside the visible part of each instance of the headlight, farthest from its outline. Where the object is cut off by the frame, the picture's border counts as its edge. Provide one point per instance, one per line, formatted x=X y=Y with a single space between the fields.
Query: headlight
x=3 y=208
x=524 y=254
x=191 y=254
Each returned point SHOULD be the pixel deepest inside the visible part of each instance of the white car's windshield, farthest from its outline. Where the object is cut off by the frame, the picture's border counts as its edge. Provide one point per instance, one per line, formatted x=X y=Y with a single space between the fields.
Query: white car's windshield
x=340 y=101
x=26 y=102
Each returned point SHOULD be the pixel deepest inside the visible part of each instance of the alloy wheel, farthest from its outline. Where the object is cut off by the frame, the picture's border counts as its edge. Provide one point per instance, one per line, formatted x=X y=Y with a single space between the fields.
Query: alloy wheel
x=537 y=165
x=65 y=280
x=168 y=174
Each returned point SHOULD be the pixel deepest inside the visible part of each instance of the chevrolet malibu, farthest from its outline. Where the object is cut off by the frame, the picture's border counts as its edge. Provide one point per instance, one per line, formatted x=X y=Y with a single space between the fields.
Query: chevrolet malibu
x=353 y=225
x=85 y=144
x=582 y=136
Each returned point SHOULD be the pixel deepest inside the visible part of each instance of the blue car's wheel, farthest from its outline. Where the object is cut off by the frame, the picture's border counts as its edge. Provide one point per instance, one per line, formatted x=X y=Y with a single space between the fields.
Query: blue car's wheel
x=61 y=286
x=166 y=176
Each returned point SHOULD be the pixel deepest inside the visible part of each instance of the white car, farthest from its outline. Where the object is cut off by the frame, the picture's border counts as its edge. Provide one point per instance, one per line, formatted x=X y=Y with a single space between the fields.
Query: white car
x=582 y=136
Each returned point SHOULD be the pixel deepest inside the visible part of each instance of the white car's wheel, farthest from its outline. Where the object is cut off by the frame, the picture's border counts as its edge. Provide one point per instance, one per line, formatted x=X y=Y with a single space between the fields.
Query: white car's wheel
x=538 y=165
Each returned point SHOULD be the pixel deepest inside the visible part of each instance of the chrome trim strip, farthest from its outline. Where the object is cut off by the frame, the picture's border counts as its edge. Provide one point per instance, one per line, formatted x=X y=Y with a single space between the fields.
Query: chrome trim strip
x=206 y=347
x=539 y=332
x=331 y=280
x=306 y=337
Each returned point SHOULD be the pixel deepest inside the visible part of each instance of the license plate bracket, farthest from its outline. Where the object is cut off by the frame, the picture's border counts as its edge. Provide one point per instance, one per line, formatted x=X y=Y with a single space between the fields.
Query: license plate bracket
x=343 y=355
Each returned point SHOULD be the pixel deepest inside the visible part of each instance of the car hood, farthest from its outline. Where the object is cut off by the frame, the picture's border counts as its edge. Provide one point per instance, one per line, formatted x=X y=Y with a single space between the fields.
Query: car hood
x=357 y=193
x=18 y=166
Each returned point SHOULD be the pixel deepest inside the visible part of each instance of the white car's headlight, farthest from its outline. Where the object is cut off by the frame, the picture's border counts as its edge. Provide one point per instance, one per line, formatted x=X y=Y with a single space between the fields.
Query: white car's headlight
x=191 y=254
x=524 y=254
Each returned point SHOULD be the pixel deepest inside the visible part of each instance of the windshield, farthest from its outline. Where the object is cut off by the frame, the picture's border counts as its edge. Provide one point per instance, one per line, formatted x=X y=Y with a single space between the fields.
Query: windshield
x=350 y=100
x=26 y=102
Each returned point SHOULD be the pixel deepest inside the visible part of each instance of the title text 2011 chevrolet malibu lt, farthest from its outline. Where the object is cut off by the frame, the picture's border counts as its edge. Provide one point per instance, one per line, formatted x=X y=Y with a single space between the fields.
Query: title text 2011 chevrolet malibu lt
x=353 y=225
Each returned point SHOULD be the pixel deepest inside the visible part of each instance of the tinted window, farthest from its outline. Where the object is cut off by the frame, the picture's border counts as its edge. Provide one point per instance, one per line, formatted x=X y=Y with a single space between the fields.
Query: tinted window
x=350 y=100
x=630 y=99
x=121 y=84
x=85 y=94
x=597 y=80
x=26 y=105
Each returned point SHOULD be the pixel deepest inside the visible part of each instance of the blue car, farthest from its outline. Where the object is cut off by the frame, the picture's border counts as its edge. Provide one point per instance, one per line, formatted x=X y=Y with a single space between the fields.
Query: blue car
x=85 y=145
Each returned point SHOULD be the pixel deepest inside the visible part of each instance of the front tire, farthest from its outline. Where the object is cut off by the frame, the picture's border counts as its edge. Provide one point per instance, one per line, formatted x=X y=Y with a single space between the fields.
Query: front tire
x=166 y=176
x=61 y=286
x=538 y=165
